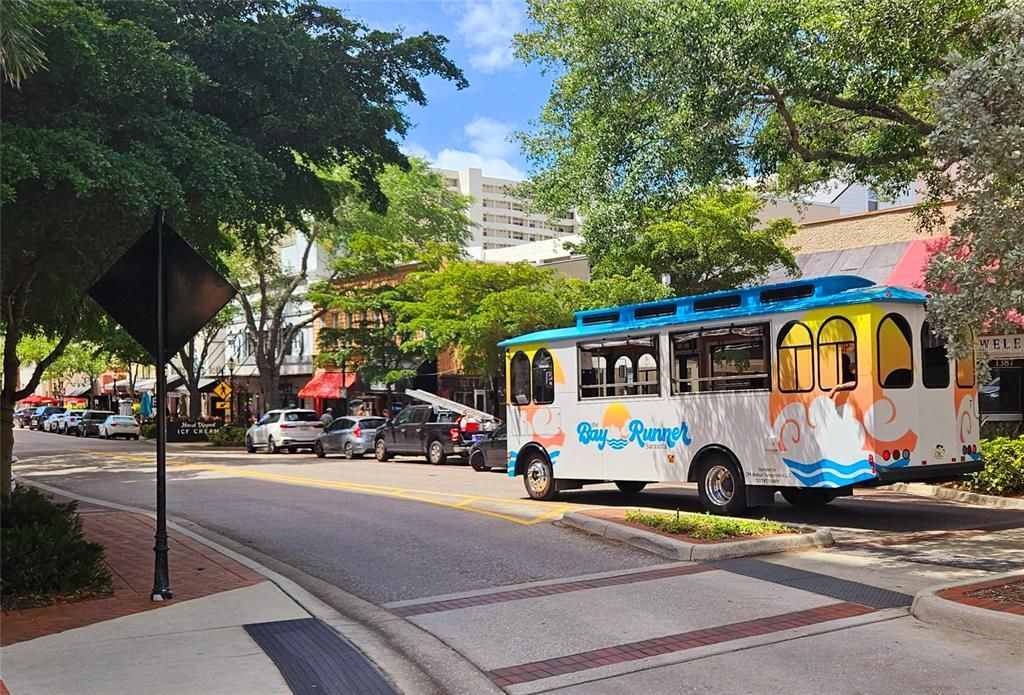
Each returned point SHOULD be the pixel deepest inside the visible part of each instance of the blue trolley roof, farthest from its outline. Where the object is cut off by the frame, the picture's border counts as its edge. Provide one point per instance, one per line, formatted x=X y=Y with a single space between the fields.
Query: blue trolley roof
x=798 y=295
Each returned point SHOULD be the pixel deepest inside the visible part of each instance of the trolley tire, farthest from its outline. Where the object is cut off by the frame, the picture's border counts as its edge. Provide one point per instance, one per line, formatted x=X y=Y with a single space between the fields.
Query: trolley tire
x=478 y=461
x=435 y=452
x=807 y=496
x=249 y=447
x=721 y=486
x=630 y=487
x=380 y=451
x=539 y=477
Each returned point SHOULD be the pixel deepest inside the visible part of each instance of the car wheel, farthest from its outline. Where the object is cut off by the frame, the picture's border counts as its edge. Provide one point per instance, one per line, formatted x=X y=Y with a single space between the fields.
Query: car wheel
x=347 y=451
x=478 y=462
x=435 y=452
x=136 y=437
x=272 y=446
x=807 y=496
x=380 y=451
x=291 y=450
x=318 y=449
x=249 y=448
x=630 y=487
x=539 y=478
x=721 y=486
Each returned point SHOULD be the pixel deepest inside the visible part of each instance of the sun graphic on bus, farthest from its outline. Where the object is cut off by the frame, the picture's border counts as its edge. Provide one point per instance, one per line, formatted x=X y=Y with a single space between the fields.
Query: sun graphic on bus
x=616 y=416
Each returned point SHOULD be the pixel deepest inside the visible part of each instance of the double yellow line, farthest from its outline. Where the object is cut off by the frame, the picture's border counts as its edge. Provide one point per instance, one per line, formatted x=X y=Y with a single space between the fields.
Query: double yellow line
x=458 y=502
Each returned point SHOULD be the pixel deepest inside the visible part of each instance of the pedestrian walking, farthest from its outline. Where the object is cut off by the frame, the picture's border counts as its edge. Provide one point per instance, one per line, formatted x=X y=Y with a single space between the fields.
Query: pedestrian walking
x=327 y=418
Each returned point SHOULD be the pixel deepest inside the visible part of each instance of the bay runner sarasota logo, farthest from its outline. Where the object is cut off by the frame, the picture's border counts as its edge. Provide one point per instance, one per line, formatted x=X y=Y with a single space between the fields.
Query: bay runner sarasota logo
x=618 y=430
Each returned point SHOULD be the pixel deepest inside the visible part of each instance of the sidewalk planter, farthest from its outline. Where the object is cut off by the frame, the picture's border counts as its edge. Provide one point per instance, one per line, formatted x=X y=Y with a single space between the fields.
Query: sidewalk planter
x=677 y=549
x=939 y=605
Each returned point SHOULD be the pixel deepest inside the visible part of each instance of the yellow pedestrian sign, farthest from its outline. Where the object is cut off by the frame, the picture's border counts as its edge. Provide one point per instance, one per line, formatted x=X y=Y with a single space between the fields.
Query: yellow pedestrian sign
x=222 y=405
x=222 y=390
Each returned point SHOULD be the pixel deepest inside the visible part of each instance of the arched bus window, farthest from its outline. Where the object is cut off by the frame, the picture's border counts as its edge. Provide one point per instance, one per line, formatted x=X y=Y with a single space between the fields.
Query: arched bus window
x=934 y=360
x=965 y=367
x=520 y=377
x=647 y=374
x=543 y=377
x=623 y=374
x=796 y=371
x=837 y=354
x=895 y=353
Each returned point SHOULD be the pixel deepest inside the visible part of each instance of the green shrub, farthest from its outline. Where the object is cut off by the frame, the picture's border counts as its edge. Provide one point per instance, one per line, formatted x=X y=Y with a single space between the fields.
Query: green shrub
x=228 y=435
x=707 y=526
x=1003 y=473
x=44 y=555
x=148 y=430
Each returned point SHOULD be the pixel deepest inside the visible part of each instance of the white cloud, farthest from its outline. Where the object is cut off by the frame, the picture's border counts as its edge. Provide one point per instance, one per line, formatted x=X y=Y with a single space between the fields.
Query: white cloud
x=490 y=150
x=487 y=27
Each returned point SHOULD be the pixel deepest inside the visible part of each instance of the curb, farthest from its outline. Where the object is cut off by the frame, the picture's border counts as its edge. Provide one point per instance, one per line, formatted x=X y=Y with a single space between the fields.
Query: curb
x=929 y=607
x=412 y=659
x=951 y=495
x=695 y=552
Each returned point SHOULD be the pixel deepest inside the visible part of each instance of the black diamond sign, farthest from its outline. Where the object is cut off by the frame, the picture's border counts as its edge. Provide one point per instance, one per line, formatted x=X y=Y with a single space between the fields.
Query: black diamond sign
x=195 y=291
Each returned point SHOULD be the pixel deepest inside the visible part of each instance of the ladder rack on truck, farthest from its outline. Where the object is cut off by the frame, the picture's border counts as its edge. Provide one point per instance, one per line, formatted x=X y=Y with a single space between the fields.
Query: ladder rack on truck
x=453 y=406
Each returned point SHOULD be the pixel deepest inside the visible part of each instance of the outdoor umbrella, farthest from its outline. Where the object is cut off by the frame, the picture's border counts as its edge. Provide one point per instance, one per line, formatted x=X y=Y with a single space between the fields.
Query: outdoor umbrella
x=146 y=405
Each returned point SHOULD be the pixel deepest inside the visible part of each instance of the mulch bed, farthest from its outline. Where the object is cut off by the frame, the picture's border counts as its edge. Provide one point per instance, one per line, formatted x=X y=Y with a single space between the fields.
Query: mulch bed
x=1005 y=595
x=619 y=517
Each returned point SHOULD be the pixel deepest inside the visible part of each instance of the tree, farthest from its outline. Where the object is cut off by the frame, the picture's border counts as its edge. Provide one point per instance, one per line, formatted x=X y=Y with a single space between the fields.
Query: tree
x=711 y=241
x=425 y=225
x=977 y=280
x=191 y=360
x=20 y=52
x=80 y=357
x=472 y=306
x=653 y=99
x=219 y=111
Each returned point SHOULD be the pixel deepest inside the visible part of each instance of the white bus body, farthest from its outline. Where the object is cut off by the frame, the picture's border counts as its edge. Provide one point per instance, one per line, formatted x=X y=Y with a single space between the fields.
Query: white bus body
x=810 y=388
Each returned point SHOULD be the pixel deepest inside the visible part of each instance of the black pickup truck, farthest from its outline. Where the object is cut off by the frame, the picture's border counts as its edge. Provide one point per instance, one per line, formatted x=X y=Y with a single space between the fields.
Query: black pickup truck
x=423 y=430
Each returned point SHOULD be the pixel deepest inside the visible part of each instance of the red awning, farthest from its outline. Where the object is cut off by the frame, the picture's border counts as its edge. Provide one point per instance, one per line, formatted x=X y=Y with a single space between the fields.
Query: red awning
x=36 y=399
x=326 y=385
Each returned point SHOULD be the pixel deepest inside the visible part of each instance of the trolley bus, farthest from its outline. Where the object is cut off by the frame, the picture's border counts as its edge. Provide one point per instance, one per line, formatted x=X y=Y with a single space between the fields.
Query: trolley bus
x=809 y=388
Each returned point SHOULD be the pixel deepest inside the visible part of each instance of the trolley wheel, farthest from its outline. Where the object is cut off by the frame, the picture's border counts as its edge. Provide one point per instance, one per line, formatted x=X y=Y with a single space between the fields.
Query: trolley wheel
x=435 y=452
x=630 y=487
x=721 y=487
x=807 y=496
x=380 y=451
x=539 y=478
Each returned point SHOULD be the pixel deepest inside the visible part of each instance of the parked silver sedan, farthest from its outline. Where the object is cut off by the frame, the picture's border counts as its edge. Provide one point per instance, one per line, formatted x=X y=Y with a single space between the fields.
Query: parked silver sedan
x=350 y=436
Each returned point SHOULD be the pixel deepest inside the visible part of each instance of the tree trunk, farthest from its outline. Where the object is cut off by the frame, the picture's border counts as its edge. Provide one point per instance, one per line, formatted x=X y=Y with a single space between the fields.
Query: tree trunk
x=195 y=403
x=270 y=386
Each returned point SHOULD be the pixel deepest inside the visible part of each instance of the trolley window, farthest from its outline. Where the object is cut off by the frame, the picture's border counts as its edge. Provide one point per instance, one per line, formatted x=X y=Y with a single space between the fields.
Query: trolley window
x=543 y=377
x=965 y=377
x=895 y=344
x=732 y=358
x=520 y=378
x=796 y=361
x=837 y=354
x=619 y=367
x=934 y=360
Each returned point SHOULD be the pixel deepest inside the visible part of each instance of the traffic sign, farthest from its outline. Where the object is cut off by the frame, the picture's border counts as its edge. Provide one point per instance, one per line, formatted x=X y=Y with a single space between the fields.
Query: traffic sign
x=222 y=390
x=222 y=405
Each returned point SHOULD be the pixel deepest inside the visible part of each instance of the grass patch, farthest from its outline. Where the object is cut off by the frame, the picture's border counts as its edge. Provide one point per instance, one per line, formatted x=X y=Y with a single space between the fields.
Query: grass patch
x=706 y=526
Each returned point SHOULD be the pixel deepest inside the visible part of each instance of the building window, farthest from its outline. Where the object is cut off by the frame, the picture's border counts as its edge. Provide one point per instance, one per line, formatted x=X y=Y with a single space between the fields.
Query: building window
x=633 y=362
x=1003 y=395
x=796 y=368
x=520 y=376
x=872 y=201
x=837 y=354
x=543 y=377
x=895 y=345
x=934 y=360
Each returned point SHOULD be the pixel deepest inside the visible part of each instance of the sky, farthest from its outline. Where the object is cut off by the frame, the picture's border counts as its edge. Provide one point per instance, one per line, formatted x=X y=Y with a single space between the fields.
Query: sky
x=469 y=127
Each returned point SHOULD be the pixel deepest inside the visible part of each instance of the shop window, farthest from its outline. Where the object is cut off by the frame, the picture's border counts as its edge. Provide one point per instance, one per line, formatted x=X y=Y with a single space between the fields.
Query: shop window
x=1003 y=395
x=543 y=377
x=934 y=359
x=895 y=345
x=619 y=367
x=837 y=354
x=733 y=358
x=965 y=368
x=520 y=379
x=796 y=368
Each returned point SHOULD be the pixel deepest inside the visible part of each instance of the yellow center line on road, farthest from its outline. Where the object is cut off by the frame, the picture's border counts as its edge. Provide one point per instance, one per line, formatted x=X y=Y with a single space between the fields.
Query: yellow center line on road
x=463 y=503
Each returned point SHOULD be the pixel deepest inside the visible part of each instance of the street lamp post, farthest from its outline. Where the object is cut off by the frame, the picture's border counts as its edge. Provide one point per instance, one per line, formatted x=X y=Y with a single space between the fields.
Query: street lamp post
x=231 y=385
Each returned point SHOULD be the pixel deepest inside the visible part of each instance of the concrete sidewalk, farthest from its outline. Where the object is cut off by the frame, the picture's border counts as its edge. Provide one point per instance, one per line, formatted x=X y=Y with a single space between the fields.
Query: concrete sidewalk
x=198 y=642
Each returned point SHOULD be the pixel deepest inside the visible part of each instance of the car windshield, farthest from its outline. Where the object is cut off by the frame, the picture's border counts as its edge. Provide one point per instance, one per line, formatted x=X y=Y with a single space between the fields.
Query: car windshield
x=371 y=423
x=301 y=416
x=123 y=418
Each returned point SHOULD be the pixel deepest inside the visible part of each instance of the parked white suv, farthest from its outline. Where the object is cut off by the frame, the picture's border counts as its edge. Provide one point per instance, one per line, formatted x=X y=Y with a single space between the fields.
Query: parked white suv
x=284 y=429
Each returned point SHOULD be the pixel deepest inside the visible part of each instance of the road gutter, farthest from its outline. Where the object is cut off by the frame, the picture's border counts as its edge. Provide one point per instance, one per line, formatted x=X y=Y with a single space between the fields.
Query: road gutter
x=413 y=659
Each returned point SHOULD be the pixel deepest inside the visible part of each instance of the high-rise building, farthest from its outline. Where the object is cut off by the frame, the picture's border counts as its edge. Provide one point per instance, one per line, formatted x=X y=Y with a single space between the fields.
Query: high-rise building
x=500 y=219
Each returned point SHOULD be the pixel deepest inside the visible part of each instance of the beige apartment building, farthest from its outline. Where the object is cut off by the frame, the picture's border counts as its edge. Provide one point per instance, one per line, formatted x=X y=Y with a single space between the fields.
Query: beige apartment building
x=500 y=220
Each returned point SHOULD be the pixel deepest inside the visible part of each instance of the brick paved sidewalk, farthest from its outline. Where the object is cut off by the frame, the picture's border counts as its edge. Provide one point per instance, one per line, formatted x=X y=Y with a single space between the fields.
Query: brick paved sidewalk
x=195 y=571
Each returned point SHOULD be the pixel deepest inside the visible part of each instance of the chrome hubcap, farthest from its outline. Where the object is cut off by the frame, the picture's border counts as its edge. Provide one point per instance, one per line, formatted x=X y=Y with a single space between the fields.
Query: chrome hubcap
x=720 y=485
x=435 y=452
x=537 y=477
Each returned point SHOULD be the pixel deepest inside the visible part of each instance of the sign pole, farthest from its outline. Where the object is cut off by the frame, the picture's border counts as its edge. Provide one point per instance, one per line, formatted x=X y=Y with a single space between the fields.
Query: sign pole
x=161 y=573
